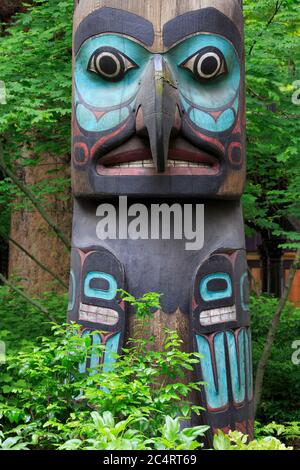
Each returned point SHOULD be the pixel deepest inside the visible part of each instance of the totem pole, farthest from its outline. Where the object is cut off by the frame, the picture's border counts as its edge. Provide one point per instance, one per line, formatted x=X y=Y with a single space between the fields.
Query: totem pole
x=159 y=118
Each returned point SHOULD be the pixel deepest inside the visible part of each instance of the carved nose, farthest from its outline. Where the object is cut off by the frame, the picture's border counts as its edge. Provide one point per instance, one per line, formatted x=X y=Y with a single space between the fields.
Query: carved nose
x=158 y=115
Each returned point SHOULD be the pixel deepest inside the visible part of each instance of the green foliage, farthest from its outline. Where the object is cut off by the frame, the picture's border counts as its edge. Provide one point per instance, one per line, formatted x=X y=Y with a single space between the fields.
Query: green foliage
x=11 y=443
x=45 y=399
x=36 y=63
x=273 y=60
x=287 y=431
x=36 y=68
x=142 y=306
x=37 y=113
x=281 y=391
x=48 y=402
x=21 y=323
x=122 y=435
x=142 y=382
x=237 y=441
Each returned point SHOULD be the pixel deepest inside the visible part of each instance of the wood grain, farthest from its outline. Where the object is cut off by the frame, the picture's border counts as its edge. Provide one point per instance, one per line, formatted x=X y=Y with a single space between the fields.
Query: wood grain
x=160 y=12
x=234 y=184
x=177 y=321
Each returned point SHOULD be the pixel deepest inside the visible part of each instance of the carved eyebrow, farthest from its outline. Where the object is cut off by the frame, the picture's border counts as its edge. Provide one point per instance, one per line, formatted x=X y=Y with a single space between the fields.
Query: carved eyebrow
x=113 y=20
x=206 y=20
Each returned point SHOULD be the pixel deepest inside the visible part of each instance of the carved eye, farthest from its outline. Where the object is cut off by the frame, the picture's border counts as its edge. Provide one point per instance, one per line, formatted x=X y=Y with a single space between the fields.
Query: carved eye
x=110 y=64
x=207 y=64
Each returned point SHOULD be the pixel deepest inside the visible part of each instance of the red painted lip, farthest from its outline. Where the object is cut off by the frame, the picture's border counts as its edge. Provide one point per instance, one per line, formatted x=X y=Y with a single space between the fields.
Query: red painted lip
x=193 y=157
x=212 y=168
x=126 y=157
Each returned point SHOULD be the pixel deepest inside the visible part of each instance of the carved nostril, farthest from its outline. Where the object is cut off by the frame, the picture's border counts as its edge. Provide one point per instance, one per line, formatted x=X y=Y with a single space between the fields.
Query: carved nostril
x=139 y=120
x=140 y=123
x=177 y=122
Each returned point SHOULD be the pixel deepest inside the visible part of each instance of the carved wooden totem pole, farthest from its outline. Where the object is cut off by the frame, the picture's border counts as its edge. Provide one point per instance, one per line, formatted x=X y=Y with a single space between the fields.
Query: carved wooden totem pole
x=159 y=117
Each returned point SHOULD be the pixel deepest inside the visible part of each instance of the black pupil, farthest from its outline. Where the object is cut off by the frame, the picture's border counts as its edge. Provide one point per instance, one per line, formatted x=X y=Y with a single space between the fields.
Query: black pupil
x=108 y=65
x=209 y=66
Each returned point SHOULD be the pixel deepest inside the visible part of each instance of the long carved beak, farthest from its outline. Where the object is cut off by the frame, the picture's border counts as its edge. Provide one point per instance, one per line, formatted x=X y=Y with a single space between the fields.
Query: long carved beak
x=157 y=109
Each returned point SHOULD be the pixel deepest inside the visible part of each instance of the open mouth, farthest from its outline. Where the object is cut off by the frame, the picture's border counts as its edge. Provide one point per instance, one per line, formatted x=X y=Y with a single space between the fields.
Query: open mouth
x=181 y=161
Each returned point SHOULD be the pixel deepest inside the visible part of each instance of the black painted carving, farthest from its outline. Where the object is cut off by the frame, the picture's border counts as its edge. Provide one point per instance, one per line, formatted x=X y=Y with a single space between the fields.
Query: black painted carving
x=208 y=20
x=113 y=20
x=209 y=286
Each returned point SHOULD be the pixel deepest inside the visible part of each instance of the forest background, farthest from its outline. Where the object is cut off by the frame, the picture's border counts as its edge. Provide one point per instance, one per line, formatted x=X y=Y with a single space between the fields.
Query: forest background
x=35 y=194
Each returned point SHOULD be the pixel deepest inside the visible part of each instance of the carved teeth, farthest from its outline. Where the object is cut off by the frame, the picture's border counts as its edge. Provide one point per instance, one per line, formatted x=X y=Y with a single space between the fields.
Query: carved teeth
x=171 y=164
x=139 y=164
x=218 y=315
x=94 y=314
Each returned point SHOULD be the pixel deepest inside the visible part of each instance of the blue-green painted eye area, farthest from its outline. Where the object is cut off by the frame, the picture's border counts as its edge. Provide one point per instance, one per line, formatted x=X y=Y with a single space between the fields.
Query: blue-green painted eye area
x=101 y=294
x=211 y=295
x=103 y=103
x=206 y=121
x=95 y=90
x=209 y=95
x=88 y=120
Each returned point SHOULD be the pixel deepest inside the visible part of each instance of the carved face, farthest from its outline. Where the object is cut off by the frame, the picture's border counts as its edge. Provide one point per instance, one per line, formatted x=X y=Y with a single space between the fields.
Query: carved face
x=158 y=105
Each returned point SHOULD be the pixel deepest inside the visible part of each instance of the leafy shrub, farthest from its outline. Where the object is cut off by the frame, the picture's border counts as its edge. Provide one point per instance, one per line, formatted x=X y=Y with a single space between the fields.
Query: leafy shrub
x=103 y=433
x=45 y=399
x=47 y=403
x=237 y=441
x=12 y=443
x=287 y=432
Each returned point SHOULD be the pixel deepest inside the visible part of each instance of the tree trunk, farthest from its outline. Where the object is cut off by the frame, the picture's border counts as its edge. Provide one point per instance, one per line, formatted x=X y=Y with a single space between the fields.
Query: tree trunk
x=30 y=230
x=9 y=7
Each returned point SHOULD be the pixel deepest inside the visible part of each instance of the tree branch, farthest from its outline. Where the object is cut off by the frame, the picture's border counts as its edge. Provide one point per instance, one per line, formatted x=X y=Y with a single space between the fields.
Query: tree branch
x=41 y=265
x=26 y=297
x=262 y=364
x=33 y=199
x=278 y=5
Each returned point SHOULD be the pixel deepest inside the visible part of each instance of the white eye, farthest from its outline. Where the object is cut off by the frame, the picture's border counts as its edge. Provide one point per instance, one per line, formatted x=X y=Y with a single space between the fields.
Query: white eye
x=206 y=64
x=209 y=65
x=110 y=64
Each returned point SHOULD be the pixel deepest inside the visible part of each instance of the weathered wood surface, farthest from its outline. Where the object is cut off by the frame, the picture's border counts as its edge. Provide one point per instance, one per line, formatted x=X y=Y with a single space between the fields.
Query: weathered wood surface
x=159 y=11
x=178 y=111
